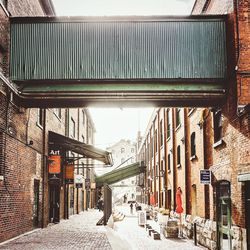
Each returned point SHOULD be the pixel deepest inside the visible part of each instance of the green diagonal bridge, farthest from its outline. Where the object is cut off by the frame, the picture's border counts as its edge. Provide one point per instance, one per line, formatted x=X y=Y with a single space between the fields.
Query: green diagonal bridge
x=120 y=174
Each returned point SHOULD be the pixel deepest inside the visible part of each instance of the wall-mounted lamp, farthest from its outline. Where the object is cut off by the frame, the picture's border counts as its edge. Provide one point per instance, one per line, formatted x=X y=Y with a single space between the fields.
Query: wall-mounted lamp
x=200 y=124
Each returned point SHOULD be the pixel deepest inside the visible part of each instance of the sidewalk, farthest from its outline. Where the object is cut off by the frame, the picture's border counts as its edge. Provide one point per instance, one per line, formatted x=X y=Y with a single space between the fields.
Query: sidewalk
x=79 y=232
x=138 y=238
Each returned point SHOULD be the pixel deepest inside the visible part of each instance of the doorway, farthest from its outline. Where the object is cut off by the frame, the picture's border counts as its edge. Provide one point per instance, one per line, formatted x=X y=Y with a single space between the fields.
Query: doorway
x=36 y=203
x=54 y=200
x=247 y=202
x=224 y=216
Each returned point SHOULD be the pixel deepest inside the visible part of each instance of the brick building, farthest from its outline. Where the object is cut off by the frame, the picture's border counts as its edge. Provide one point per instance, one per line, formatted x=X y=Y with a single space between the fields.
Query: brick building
x=216 y=139
x=30 y=197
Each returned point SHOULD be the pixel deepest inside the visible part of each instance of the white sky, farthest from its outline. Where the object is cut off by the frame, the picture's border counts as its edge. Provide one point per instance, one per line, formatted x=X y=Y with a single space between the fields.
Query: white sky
x=113 y=124
x=122 y=7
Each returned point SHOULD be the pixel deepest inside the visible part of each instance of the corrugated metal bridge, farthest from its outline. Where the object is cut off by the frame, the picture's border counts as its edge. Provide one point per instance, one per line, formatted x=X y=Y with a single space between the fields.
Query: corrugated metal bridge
x=117 y=175
x=66 y=62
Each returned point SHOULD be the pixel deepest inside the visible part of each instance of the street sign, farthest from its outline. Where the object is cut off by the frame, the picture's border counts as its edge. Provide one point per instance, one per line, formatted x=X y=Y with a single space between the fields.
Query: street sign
x=205 y=176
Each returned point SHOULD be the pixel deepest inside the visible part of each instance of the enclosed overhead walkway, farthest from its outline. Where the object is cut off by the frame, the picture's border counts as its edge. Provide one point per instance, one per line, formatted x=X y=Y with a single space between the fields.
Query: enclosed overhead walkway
x=66 y=62
x=120 y=174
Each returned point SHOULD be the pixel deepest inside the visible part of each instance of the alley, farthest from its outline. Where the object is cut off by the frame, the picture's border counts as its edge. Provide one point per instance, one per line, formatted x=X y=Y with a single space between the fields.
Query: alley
x=81 y=232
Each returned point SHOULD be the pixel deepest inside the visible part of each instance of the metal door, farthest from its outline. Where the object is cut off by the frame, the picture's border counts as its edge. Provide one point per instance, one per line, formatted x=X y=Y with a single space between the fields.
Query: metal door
x=224 y=216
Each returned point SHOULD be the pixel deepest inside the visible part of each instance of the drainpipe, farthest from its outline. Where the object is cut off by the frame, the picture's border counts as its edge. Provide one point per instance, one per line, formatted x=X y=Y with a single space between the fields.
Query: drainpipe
x=174 y=154
x=165 y=188
x=44 y=166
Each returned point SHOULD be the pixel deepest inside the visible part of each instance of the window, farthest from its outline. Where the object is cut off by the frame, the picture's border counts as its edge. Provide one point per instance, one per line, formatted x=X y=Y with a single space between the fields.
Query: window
x=156 y=144
x=178 y=117
x=179 y=156
x=169 y=162
x=122 y=150
x=40 y=115
x=73 y=128
x=193 y=146
x=168 y=124
x=83 y=118
x=58 y=113
x=161 y=133
x=217 y=126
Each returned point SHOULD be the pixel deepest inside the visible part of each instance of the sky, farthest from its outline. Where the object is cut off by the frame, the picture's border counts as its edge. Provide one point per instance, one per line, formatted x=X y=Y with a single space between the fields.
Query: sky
x=122 y=7
x=113 y=124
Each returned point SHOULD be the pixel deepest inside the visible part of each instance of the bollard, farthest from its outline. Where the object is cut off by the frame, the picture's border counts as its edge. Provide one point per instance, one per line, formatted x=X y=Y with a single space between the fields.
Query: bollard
x=195 y=234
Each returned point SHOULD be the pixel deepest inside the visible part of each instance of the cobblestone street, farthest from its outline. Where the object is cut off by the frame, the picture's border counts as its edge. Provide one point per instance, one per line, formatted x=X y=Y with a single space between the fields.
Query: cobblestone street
x=81 y=232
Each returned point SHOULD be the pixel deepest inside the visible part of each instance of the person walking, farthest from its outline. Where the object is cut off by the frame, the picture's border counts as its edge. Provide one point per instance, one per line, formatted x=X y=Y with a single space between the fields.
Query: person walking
x=131 y=208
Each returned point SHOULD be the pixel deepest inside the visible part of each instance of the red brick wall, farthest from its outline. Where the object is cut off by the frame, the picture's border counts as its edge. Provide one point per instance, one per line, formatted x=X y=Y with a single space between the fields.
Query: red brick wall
x=232 y=158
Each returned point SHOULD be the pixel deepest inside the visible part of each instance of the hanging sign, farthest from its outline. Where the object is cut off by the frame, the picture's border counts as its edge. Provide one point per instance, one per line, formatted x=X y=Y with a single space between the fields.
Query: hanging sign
x=78 y=180
x=54 y=162
x=69 y=173
x=205 y=176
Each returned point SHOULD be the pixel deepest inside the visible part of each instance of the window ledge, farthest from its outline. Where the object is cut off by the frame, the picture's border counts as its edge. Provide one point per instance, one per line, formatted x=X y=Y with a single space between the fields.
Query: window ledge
x=218 y=143
x=178 y=165
x=178 y=127
x=39 y=125
x=193 y=157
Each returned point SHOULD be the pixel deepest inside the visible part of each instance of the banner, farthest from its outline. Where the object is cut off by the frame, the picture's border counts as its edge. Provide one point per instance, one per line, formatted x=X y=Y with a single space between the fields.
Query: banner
x=69 y=173
x=54 y=162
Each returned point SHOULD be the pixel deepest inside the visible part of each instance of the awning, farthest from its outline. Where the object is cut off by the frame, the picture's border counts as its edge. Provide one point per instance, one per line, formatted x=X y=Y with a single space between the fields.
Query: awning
x=88 y=151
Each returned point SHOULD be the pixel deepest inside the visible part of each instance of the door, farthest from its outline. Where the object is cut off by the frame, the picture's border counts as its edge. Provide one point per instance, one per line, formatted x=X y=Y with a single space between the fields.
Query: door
x=224 y=216
x=71 y=200
x=36 y=203
x=54 y=203
x=247 y=193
